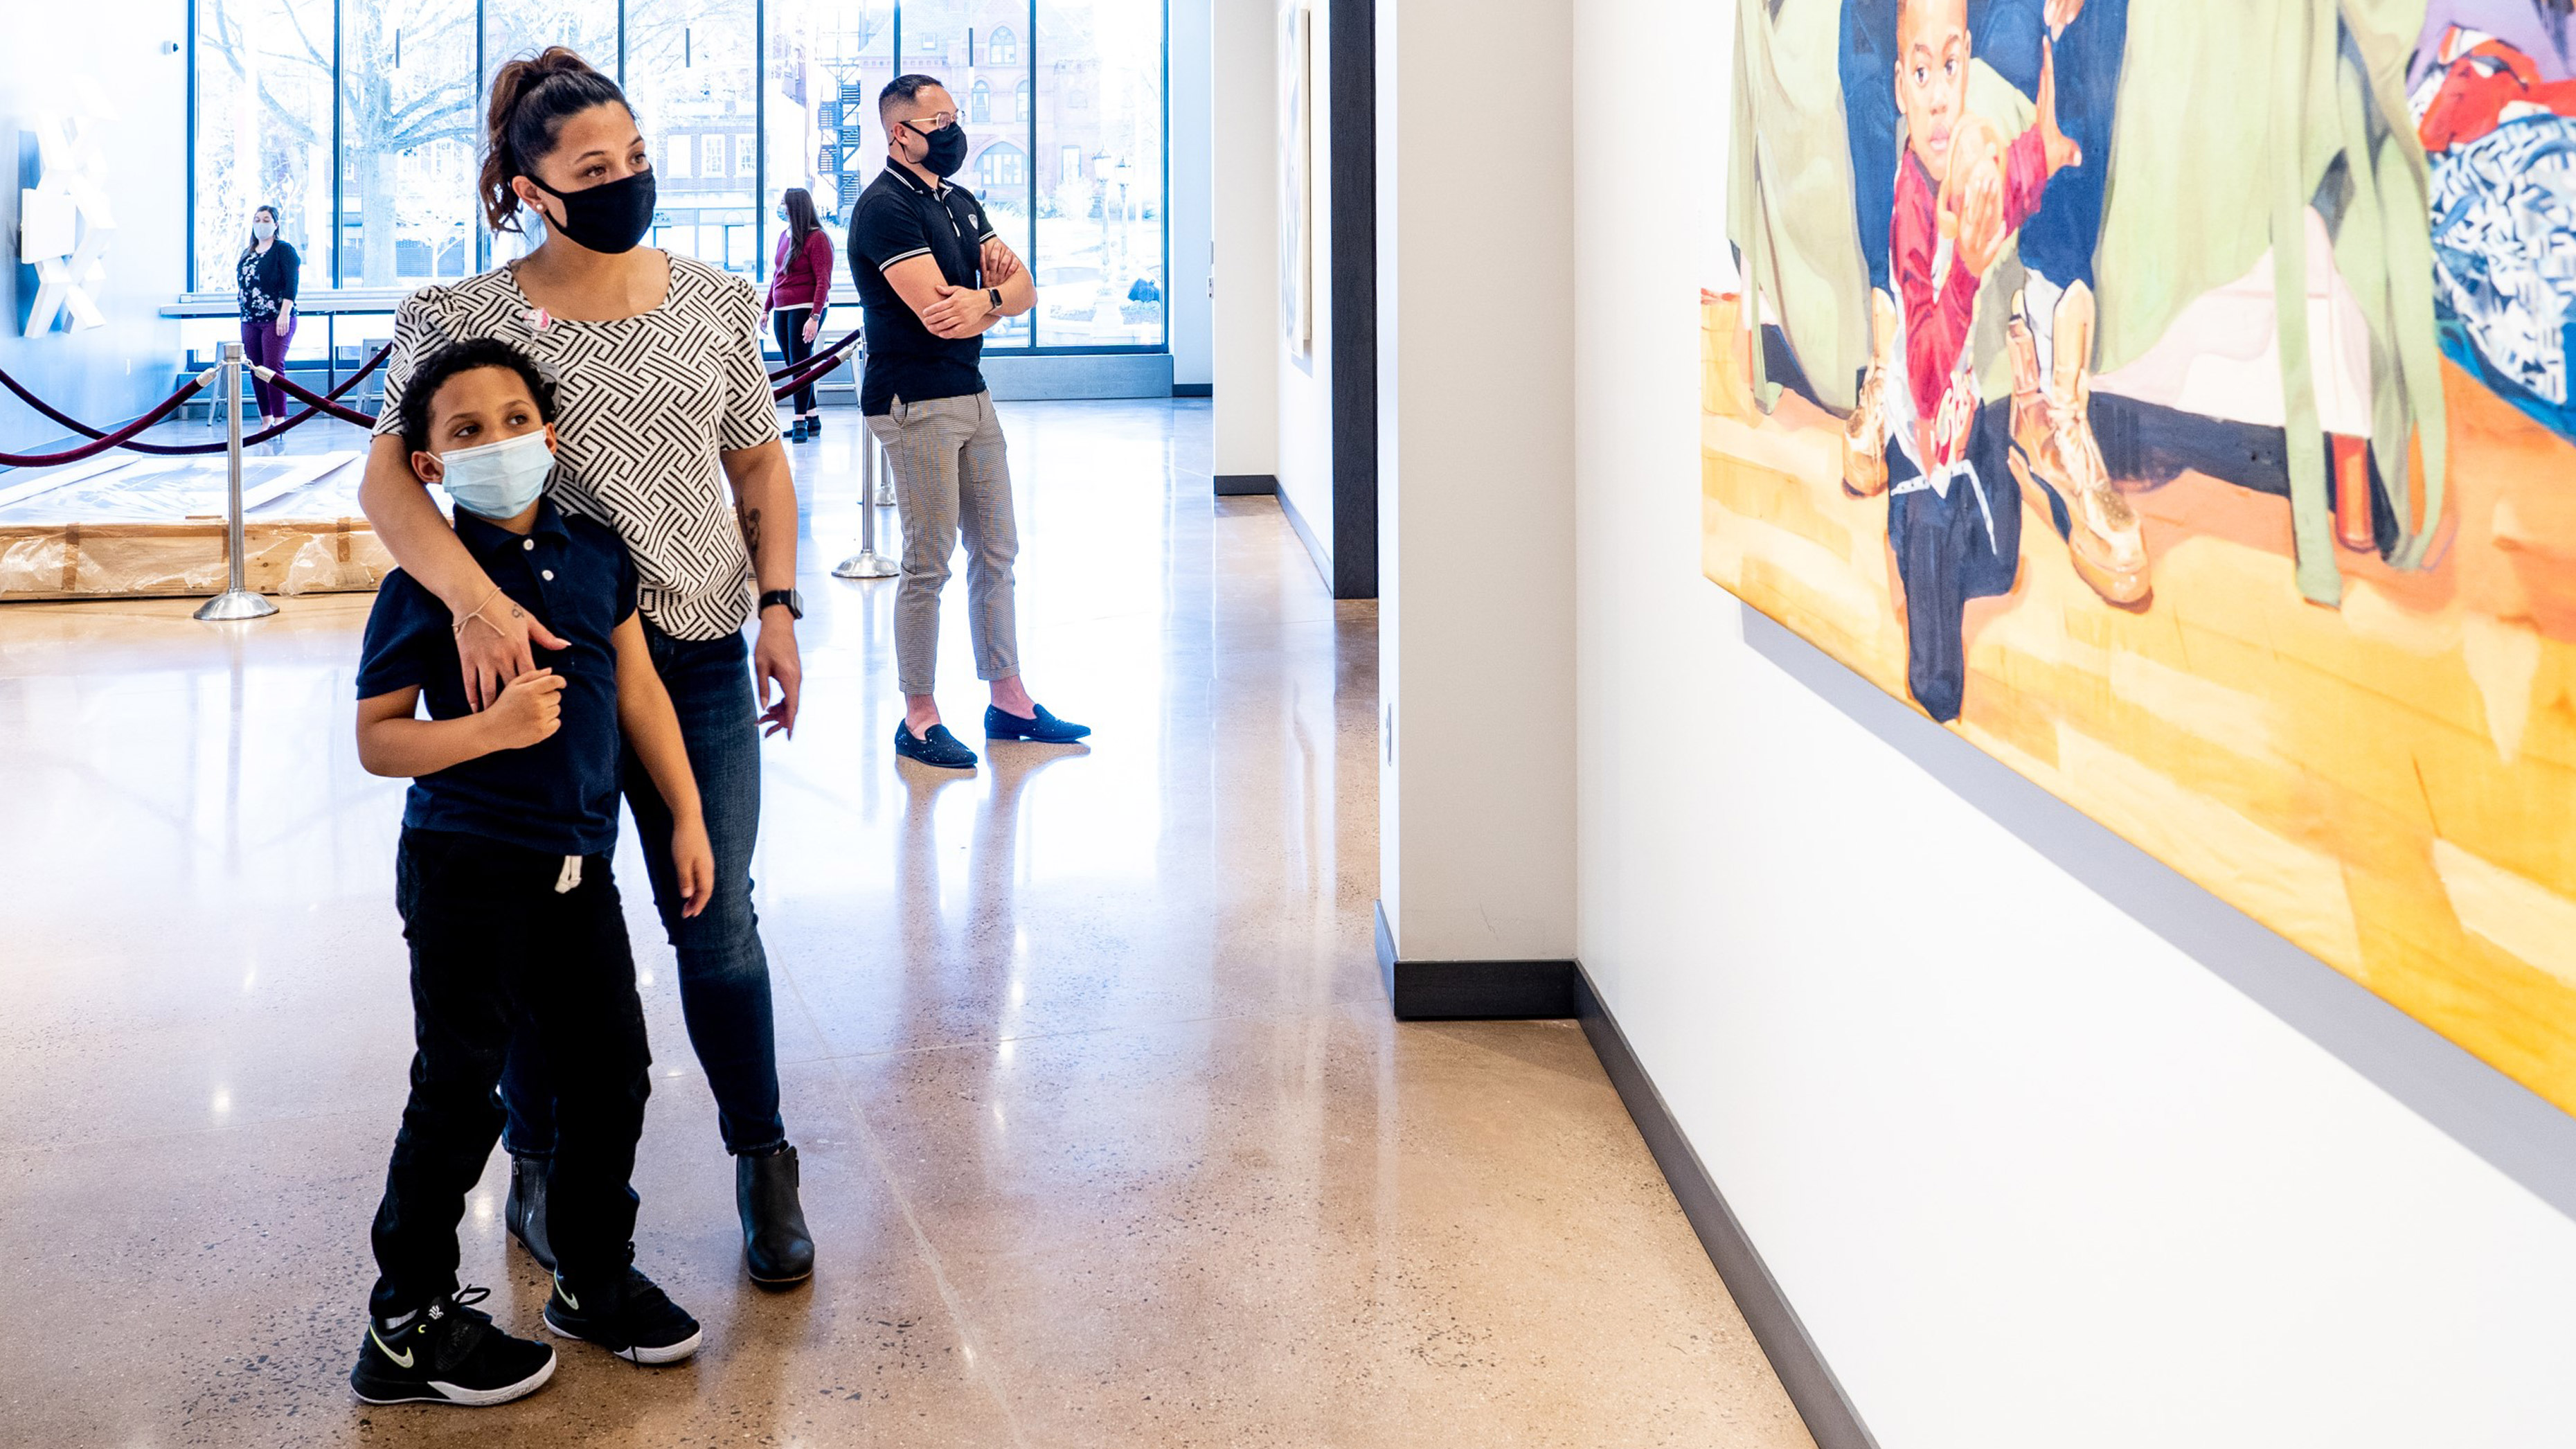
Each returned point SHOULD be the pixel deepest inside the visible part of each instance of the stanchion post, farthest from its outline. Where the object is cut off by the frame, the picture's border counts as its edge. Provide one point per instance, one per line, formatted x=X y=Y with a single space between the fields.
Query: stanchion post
x=867 y=563
x=883 y=493
x=236 y=601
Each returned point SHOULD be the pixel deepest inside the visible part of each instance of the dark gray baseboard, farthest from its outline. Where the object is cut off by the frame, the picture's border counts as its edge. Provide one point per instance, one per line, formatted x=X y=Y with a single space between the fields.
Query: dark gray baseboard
x=1548 y=990
x=1193 y=389
x=1831 y=1420
x=1474 y=990
x=1246 y=485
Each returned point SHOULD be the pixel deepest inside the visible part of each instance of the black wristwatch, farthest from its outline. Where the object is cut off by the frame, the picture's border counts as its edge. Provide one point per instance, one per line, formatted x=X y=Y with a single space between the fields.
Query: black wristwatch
x=794 y=601
x=996 y=294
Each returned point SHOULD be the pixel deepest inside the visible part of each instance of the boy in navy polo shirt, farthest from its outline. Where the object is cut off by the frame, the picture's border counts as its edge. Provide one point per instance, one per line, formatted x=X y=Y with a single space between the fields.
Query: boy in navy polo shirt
x=503 y=883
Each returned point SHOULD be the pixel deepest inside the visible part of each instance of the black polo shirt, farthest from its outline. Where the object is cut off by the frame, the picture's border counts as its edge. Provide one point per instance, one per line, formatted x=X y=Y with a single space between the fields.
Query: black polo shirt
x=897 y=218
x=558 y=795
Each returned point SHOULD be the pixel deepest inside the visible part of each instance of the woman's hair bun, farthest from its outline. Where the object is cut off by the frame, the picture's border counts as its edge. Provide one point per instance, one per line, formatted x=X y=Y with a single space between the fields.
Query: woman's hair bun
x=532 y=97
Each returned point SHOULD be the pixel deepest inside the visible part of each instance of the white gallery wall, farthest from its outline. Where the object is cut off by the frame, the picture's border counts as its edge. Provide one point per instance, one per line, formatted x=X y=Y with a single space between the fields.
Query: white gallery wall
x=1306 y=376
x=1476 y=157
x=108 y=373
x=1244 y=235
x=1274 y=402
x=2030 y=1174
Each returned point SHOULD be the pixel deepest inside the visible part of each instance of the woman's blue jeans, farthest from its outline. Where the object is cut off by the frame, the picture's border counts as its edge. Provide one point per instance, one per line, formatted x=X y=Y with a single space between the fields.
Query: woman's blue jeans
x=724 y=973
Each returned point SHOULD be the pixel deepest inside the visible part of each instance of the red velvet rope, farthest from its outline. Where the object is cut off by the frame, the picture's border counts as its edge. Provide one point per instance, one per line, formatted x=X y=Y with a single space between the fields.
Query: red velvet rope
x=188 y=450
x=317 y=402
x=796 y=375
x=105 y=441
x=834 y=351
x=814 y=368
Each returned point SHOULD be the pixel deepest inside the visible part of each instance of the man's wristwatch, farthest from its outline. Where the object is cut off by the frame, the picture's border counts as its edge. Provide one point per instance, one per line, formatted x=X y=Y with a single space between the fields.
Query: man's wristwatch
x=996 y=294
x=794 y=601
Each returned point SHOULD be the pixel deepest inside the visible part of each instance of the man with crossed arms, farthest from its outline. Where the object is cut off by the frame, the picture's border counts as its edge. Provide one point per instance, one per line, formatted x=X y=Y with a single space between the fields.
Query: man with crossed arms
x=933 y=278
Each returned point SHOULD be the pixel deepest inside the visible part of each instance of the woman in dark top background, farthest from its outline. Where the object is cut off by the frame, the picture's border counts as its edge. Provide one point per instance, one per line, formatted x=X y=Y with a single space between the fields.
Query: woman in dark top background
x=267 y=275
x=800 y=291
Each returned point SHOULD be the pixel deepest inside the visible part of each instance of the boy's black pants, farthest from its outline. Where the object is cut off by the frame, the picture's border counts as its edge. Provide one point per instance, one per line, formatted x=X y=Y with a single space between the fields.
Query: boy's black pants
x=492 y=940
x=1949 y=550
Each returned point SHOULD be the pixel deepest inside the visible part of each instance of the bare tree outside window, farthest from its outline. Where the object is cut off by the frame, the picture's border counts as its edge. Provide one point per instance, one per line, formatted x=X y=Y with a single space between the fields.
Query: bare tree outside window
x=408 y=140
x=1064 y=126
x=405 y=98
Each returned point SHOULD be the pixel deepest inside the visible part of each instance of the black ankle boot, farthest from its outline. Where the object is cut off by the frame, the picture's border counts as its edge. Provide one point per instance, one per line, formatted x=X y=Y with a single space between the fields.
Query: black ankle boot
x=775 y=1246
x=526 y=1210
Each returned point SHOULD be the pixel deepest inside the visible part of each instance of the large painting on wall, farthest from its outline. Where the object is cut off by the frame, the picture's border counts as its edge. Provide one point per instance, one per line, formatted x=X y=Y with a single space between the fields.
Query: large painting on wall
x=2174 y=400
x=1296 y=180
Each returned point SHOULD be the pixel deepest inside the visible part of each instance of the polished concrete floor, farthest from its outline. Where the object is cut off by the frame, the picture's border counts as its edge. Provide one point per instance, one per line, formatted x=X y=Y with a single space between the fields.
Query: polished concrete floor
x=1108 y=1137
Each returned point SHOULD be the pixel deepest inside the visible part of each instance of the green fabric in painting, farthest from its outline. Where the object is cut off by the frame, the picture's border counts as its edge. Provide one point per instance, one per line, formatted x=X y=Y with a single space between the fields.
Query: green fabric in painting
x=1789 y=201
x=2221 y=102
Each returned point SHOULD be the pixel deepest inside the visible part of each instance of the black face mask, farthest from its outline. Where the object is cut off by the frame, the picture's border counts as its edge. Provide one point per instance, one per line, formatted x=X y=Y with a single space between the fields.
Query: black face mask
x=947 y=150
x=610 y=217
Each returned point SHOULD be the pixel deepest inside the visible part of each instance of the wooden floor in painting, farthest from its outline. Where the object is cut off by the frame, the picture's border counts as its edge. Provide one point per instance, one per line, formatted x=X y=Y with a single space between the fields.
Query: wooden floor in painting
x=2391 y=784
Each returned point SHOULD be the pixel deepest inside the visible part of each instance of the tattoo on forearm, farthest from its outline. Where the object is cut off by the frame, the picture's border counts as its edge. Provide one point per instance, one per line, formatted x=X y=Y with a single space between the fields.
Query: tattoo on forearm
x=751 y=531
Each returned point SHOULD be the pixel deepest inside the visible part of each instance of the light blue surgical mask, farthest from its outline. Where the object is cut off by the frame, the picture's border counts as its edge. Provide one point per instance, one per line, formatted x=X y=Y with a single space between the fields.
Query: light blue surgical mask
x=498 y=480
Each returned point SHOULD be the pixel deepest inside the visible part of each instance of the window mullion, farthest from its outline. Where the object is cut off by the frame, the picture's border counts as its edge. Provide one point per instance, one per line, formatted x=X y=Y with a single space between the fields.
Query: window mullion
x=1030 y=31
x=339 y=99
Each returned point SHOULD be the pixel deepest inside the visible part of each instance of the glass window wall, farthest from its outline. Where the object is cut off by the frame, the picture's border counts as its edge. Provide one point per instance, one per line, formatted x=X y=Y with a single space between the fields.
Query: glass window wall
x=369 y=110
x=524 y=28
x=690 y=74
x=263 y=132
x=1099 y=74
x=827 y=61
x=408 y=139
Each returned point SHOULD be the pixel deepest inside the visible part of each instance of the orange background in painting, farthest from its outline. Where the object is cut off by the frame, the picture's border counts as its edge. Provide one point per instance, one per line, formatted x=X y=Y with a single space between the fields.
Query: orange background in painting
x=2390 y=785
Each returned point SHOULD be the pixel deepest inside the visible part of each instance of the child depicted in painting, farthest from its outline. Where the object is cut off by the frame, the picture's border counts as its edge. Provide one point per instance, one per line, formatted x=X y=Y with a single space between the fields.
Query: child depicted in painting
x=1922 y=431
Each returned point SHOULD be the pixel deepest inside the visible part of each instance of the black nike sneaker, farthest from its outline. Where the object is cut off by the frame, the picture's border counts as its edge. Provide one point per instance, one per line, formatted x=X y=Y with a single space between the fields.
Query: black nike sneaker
x=449 y=1353
x=634 y=1320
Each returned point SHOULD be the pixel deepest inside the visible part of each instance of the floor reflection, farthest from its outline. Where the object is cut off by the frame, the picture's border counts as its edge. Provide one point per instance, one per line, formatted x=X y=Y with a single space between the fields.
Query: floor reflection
x=1106 y=1137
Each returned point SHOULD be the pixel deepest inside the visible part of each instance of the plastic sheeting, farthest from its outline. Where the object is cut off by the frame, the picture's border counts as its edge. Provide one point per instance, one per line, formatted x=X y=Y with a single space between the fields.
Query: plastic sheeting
x=167 y=560
x=153 y=528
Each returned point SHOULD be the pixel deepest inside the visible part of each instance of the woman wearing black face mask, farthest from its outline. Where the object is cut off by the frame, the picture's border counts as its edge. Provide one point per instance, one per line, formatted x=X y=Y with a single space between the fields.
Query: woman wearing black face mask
x=267 y=276
x=666 y=432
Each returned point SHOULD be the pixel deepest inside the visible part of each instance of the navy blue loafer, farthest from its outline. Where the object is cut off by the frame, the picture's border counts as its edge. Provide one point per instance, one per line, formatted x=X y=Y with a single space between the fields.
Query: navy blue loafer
x=939 y=749
x=1046 y=729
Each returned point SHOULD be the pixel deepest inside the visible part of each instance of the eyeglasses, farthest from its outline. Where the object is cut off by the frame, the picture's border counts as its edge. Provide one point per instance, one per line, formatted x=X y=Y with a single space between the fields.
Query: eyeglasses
x=937 y=121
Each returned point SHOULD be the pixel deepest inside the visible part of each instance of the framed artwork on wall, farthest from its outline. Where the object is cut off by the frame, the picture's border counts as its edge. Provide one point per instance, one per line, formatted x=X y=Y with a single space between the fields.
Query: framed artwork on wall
x=2174 y=400
x=1296 y=179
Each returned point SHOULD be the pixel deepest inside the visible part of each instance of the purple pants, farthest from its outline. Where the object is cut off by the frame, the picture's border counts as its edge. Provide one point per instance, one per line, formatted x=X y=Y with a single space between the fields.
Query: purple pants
x=262 y=347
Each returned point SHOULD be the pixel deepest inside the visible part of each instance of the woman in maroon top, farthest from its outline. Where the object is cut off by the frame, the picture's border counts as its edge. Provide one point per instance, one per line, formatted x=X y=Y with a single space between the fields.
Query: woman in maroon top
x=800 y=291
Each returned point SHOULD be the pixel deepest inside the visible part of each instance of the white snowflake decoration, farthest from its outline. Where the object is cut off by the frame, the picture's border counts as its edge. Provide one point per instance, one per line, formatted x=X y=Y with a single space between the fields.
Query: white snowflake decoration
x=66 y=221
